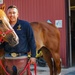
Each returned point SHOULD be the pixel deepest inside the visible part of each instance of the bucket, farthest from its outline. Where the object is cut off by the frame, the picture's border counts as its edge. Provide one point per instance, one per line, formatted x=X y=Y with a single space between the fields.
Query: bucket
x=15 y=65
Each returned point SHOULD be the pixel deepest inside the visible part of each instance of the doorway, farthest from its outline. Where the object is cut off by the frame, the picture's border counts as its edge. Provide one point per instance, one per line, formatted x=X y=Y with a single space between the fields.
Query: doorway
x=72 y=10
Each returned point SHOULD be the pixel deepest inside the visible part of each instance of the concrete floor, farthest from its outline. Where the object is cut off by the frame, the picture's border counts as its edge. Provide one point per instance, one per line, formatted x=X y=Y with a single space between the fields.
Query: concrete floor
x=45 y=71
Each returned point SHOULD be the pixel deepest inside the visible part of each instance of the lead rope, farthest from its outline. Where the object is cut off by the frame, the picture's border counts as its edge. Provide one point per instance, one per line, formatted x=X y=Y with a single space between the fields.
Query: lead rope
x=35 y=68
x=28 y=67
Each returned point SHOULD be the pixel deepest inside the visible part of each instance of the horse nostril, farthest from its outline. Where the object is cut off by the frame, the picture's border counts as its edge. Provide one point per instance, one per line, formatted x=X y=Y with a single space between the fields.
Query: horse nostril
x=14 y=40
x=0 y=21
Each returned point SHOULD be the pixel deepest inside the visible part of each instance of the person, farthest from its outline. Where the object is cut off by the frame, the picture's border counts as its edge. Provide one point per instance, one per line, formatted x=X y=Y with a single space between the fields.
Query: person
x=16 y=57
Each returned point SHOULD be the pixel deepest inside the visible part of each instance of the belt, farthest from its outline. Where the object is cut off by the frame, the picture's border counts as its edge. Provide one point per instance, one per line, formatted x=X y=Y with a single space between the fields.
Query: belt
x=16 y=54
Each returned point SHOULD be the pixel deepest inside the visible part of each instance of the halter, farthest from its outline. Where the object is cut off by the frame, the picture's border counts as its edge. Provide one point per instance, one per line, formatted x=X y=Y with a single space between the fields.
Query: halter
x=3 y=34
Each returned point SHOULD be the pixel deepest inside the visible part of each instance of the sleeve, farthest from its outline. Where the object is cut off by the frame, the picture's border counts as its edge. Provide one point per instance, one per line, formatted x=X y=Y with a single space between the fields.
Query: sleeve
x=31 y=40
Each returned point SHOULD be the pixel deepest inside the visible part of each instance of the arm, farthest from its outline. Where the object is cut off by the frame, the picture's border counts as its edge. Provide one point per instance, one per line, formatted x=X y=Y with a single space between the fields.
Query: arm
x=31 y=43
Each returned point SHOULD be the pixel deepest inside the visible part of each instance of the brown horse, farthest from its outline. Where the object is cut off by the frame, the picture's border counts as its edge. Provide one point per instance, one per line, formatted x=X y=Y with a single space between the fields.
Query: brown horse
x=47 y=38
x=6 y=31
x=6 y=34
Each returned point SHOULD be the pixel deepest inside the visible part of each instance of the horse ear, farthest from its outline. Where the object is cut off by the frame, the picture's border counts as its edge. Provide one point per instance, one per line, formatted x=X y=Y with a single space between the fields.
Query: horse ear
x=3 y=7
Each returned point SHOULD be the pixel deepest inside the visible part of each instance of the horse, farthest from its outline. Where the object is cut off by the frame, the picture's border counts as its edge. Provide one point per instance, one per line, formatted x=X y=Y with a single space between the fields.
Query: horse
x=47 y=38
x=6 y=31
x=7 y=34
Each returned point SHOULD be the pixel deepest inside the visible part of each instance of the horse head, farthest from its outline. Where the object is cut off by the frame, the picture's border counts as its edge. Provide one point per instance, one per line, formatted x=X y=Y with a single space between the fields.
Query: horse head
x=7 y=33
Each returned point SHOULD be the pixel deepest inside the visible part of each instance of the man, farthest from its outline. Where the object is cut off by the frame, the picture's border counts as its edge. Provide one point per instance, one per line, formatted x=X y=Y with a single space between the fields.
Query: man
x=16 y=57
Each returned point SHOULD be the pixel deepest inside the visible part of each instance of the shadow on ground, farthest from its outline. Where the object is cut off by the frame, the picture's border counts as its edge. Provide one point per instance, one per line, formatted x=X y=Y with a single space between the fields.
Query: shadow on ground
x=71 y=73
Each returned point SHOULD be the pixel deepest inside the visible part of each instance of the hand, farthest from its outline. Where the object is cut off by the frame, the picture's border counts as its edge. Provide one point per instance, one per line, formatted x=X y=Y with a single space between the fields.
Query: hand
x=32 y=60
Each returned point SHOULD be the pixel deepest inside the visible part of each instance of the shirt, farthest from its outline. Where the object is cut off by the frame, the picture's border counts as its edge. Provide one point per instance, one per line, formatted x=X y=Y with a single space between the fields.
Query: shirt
x=26 y=39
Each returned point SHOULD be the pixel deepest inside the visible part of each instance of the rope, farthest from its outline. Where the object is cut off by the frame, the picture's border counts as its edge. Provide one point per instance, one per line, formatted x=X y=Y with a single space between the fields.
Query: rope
x=26 y=67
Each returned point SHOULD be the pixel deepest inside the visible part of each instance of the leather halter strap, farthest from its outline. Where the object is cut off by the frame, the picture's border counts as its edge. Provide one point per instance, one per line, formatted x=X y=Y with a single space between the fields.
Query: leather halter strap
x=3 y=34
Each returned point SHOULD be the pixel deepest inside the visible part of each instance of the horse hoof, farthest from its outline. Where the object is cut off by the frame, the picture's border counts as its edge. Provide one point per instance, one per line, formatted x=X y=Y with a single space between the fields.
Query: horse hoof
x=59 y=74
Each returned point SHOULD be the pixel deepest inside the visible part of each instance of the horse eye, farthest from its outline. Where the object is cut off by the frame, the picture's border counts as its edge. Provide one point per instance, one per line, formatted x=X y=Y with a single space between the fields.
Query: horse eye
x=0 y=21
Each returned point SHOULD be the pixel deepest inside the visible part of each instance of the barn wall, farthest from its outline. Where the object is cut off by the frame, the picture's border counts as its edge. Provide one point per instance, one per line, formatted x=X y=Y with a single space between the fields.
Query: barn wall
x=43 y=10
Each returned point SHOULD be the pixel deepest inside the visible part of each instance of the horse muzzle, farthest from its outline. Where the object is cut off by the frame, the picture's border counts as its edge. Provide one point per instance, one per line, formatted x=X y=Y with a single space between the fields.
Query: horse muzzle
x=13 y=42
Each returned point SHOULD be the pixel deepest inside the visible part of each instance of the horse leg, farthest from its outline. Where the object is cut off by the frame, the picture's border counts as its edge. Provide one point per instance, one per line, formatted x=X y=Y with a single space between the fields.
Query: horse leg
x=47 y=57
x=2 y=71
x=55 y=70
x=1 y=58
x=57 y=63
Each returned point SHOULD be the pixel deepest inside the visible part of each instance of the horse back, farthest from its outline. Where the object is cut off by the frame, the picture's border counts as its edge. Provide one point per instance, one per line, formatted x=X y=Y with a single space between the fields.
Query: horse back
x=46 y=34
